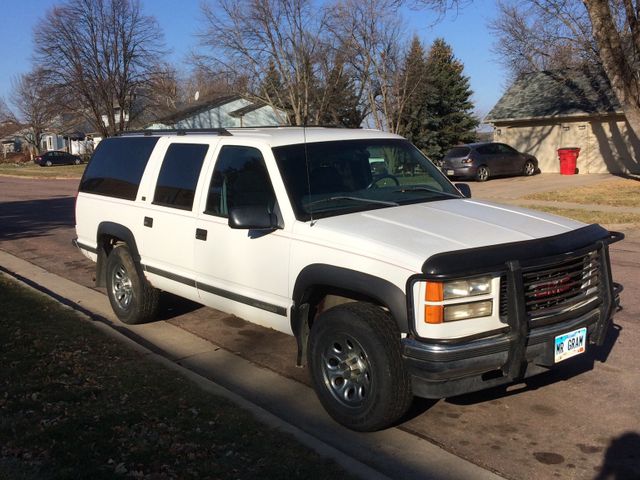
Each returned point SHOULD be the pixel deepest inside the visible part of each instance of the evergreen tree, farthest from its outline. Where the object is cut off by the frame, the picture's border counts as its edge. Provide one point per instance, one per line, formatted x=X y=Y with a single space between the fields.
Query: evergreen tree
x=271 y=89
x=338 y=103
x=449 y=110
x=409 y=117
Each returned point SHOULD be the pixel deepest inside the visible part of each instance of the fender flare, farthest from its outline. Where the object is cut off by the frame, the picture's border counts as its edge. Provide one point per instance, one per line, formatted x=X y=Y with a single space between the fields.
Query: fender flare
x=124 y=234
x=324 y=275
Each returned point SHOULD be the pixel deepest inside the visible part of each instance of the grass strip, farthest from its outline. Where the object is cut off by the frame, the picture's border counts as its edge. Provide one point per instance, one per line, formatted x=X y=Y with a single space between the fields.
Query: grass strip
x=76 y=404
x=589 y=216
x=32 y=170
x=617 y=193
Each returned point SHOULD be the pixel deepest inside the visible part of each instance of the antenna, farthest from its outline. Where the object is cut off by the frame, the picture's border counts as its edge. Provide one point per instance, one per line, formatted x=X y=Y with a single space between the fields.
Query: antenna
x=306 y=162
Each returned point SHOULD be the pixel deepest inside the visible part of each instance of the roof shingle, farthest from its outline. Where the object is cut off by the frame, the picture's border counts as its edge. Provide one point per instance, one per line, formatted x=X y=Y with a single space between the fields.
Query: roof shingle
x=556 y=93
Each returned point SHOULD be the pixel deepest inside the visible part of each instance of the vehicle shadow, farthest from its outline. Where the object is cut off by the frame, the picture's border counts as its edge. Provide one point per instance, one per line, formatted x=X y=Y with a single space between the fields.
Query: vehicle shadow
x=171 y=306
x=622 y=459
x=561 y=372
x=35 y=218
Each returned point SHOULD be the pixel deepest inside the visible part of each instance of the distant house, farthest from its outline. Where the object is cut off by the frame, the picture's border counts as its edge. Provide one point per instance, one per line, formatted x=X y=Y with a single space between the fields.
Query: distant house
x=68 y=132
x=11 y=137
x=544 y=111
x=224 y=111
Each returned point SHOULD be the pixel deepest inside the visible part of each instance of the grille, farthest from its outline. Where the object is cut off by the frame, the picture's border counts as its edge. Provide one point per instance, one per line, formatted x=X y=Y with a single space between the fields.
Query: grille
x=555 y=288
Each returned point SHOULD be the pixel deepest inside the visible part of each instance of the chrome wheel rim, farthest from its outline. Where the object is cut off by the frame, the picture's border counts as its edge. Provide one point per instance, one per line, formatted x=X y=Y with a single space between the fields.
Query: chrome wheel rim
x=346 y=370
x=483 y=173
x=529 y=168
x=121 y=287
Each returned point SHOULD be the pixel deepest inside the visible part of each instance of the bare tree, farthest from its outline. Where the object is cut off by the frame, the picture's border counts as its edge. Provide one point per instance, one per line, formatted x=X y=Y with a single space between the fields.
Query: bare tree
x=246 y=37
x=532 y=36
x=616 y=30
x=545 y=34
x=6 y=115
x=98 y=54
x=34 y=100
x=370 y=33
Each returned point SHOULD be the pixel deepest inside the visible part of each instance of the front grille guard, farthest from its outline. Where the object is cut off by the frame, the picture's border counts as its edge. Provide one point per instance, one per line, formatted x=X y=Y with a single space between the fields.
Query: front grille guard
x=518 y=320
x=519 y=326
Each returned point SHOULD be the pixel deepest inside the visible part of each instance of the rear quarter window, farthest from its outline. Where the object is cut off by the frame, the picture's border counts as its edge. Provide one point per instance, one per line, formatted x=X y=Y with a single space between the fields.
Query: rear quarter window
x=116 y=168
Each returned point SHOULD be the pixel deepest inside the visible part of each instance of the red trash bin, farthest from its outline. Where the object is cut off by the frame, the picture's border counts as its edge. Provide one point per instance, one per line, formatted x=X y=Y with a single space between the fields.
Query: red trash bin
x=568 y=159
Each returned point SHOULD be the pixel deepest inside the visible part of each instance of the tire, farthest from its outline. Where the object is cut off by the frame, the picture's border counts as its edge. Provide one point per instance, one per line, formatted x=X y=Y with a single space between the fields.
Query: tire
x=132 y=297
x=357 y=368
x=483 y=173
x=529 y=168
x=48 y=163
x=77 y=161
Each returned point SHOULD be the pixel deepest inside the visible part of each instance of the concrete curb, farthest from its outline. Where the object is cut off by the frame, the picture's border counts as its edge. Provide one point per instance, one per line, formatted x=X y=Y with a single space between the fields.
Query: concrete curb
x=392 y=453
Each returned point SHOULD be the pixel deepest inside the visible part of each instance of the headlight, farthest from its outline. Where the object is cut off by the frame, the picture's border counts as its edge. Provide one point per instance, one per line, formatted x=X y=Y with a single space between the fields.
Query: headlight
x=462 y=311
x=467 y=288
x=442 y=299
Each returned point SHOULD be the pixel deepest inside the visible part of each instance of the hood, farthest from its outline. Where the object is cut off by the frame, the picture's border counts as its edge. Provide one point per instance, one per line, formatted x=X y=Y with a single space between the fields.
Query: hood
x=408 y=235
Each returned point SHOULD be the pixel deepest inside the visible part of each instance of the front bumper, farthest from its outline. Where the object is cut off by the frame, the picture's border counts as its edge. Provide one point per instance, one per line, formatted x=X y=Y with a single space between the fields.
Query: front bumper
x=522 y=349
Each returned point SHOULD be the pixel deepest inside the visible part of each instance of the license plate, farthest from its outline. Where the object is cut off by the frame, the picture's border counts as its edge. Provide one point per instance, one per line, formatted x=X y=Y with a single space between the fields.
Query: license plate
x=450 y=172
x=570 y=344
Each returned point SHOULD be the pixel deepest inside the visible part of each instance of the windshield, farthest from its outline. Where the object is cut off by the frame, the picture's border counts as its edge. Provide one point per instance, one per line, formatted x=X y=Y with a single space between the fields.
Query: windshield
x=354 y=175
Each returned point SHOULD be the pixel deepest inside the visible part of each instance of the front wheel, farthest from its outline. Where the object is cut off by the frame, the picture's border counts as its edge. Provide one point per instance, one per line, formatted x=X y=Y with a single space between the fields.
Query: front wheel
x=483 y=173
x=357 y=368
x=132 y=297
x=529 y=168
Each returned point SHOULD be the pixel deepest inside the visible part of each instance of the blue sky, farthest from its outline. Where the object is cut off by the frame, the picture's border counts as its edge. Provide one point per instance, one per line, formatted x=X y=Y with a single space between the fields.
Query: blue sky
x=465 y=31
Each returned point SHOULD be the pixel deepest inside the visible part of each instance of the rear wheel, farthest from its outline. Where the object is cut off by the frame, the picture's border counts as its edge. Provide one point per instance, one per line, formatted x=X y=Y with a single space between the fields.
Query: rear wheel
x=77 y=161
x=483 y=173
x=132 y=297
x=357 y=368
x=529 y=168
x=48 y=163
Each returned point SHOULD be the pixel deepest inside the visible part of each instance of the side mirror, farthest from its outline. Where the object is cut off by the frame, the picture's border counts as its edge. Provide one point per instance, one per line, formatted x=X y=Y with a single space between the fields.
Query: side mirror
x=252 y=217
x=464 y=189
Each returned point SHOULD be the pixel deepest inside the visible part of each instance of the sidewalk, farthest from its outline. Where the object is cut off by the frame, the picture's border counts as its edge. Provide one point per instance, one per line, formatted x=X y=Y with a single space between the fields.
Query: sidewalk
x=392 y=453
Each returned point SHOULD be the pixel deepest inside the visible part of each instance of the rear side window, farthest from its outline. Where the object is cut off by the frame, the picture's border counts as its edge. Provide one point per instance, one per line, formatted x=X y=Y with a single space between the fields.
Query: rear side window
x=179 y=174
x=458 y=152
x=117 y=166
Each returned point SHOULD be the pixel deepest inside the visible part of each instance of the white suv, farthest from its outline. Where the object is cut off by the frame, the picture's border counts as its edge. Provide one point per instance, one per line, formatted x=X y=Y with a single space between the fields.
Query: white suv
x=391 y=280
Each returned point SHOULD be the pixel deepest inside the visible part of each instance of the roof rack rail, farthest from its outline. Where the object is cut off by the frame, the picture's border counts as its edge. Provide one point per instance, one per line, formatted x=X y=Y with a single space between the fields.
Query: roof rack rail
x=175 y=131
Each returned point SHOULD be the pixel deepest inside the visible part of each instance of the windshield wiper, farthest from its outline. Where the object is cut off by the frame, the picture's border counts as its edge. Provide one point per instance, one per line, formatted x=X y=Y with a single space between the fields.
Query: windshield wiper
x=425 y=189
x=357 y=199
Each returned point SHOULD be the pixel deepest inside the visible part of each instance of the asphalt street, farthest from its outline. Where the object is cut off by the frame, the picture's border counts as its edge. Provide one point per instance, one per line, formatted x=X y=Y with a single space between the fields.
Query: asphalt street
x=580 y=420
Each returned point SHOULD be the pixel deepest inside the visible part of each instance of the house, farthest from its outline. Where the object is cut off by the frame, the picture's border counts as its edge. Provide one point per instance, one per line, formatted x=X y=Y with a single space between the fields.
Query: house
x=68 y=132
x=221 y=112
x=544 y=111
x=11 y=137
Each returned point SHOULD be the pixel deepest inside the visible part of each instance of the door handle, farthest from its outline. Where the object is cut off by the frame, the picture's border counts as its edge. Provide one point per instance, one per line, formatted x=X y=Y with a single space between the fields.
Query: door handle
x=201 y=234
x=148 y=222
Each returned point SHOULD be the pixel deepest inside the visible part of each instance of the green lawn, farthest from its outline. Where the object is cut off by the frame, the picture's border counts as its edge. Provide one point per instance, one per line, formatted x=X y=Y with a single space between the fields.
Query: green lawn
x=76 y=404
x=32 y=170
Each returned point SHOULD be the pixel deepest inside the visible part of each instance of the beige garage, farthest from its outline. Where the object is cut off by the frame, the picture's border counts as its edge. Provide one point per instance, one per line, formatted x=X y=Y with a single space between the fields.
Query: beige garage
x=544 y=111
